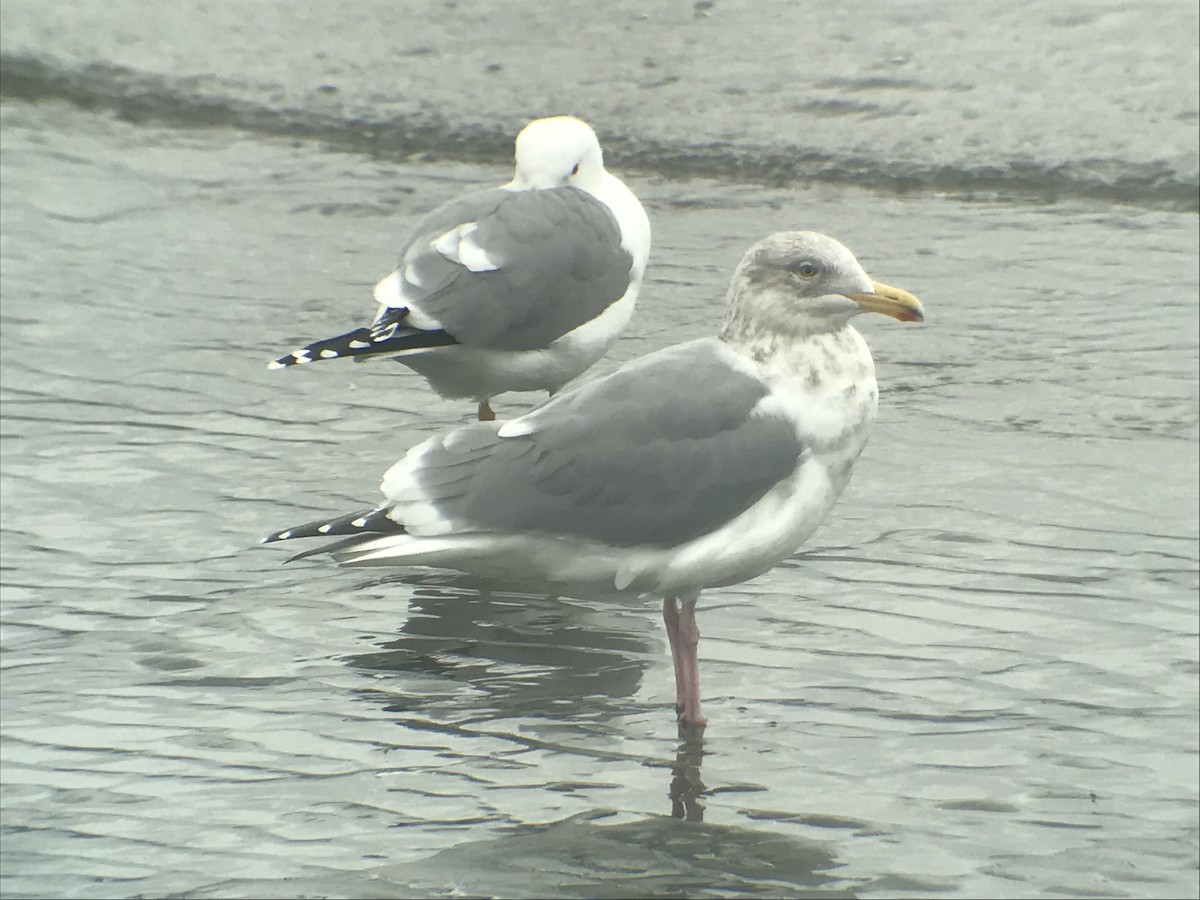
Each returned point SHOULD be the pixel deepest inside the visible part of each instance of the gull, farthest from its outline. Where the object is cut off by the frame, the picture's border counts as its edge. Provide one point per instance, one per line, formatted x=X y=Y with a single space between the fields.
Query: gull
x=516 y=288
x=697 y=466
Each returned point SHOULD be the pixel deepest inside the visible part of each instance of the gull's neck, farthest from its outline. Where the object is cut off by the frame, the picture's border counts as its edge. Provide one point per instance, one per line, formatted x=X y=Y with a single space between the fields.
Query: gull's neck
x=820 y=369
x=631 y=217
x=753 y=310
x=626 y=209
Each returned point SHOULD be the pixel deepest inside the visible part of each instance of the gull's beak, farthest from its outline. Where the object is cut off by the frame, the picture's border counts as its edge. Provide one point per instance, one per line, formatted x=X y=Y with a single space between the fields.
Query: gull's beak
x=891 y=301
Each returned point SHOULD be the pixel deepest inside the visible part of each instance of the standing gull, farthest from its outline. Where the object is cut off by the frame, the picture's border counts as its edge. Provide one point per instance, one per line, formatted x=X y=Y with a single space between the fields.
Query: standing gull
x=516 y=288
x=700 y=465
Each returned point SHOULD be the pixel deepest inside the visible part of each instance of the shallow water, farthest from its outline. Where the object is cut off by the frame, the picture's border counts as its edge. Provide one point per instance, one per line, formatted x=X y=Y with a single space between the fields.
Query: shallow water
x=978 y=679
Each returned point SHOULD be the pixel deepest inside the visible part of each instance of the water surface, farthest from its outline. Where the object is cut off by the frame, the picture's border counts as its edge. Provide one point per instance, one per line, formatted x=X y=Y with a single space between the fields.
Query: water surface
x=978 y=679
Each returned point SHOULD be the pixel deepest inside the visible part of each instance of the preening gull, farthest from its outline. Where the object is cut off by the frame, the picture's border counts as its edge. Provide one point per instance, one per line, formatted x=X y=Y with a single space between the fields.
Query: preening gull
x=696 y=466
x=515 y=288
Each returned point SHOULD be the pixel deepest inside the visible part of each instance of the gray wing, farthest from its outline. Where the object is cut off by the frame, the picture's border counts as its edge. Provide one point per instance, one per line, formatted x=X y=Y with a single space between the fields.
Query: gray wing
x=551 y=260
x=662 y=451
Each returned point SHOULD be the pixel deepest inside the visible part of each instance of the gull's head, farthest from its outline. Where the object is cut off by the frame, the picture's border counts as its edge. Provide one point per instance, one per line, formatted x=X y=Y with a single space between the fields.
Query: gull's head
x=802 y=282
x=557 y=151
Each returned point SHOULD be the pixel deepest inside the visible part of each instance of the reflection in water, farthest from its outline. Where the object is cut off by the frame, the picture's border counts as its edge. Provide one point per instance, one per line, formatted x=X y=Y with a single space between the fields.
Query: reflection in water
x=943 y=666
x=577 y=857
x=525 y=655
x=652 y=857
x=502 y=655
x=686 y=784
x=592 y=657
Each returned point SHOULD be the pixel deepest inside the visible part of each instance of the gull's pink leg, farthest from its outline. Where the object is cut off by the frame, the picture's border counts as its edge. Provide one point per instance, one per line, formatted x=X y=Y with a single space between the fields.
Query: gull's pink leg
x=689 y=641
x=679 y=616
x=671 y=621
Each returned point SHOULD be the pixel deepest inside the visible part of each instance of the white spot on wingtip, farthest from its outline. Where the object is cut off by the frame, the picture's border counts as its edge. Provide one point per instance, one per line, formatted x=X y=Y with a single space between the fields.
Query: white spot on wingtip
x=324 y=529
x=329 y=354
x=276 y=364
x=384 y=335
x=359 y=345
x=359 y=522
x=283 y=535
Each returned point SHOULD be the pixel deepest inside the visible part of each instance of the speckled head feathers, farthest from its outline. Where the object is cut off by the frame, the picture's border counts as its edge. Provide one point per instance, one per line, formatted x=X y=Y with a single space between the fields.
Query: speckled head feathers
x=803 y=282
x=805 y=263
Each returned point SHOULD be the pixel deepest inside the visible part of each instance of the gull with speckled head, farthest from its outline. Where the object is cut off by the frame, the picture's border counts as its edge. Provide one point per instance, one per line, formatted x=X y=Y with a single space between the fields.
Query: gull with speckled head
x=517 y=288
x=700 y=465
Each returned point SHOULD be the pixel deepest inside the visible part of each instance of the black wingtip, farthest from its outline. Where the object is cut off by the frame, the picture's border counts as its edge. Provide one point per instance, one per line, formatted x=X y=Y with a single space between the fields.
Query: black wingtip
x=344 y=544
x=387 y=336
x=352 y=343
x=369 y=521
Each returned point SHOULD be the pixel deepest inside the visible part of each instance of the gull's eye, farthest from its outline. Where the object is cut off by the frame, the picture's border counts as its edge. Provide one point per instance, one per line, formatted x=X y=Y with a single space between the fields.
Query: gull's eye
x=575 y=171
x=805 y=268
